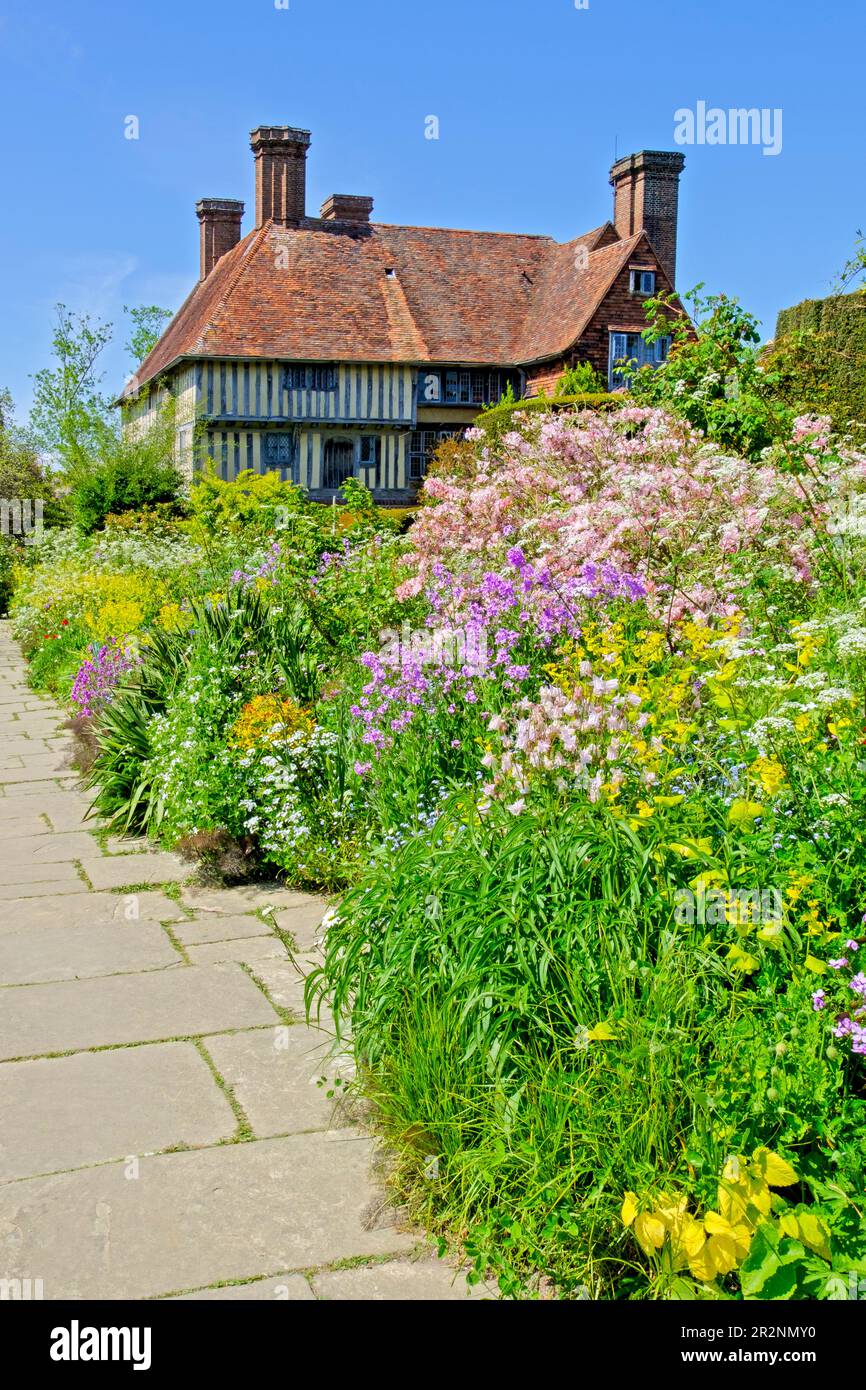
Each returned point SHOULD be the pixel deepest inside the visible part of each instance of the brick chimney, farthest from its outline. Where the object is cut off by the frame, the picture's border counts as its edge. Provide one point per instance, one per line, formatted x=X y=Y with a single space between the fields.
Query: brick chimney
x=281 y=173
x=645 y=197
x=220 y=229
x=346 y=207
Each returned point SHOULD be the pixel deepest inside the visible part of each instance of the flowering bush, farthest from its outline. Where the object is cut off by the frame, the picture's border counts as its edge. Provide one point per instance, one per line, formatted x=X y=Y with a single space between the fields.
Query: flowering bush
x=99 y=676
x=587 y=747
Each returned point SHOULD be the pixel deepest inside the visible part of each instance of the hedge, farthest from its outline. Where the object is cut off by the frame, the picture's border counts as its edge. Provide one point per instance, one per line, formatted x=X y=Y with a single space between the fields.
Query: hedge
x=836 y=329
x=499 y=415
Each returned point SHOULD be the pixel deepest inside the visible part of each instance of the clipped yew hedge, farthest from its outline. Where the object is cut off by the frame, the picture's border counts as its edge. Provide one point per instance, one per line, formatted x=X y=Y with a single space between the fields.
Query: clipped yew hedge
x=498 y=418
x=828 y=336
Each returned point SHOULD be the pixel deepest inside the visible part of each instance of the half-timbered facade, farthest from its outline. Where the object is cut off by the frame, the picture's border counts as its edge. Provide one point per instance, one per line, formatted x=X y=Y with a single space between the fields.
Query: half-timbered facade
x=335 y=347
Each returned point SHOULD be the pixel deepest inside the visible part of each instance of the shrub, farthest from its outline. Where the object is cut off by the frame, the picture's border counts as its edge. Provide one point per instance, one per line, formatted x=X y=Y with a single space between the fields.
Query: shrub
x=580 y=380
x=713 y=376
x=134 y=475
x=819 y=358
x=499 y=419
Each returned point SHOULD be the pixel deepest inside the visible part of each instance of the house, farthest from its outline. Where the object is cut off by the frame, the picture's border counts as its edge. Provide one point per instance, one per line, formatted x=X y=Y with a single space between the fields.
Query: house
x=334 y=346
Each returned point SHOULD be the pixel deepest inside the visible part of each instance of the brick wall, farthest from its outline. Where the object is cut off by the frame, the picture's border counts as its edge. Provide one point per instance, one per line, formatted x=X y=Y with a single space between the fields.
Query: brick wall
x=620 y=311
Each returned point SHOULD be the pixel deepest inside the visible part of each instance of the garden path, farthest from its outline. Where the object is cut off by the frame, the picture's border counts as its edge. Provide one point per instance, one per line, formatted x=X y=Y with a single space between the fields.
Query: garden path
x=163 y=1133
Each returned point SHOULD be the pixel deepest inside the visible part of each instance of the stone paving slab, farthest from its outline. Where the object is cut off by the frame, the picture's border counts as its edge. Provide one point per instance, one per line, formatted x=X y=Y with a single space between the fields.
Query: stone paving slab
x=48 y=849
x=19 y=746
x=29 y=955
x=398 y=1281
x=67 y=1112
x=117 y=871
x=65 y=810
x=20 y=870
x=24 y=822
x=251 y=951
x=75 y=1015
x=126 y=844
x=232 y=901
x=273 y=1073
x=218 y=928
x=303 y=922
x=94 y=909
x=47 y=787
x=194 y=1219
x=12 y=892
x=67 y=817
x=284 y=1288
x=36 y=769
x=284 y=984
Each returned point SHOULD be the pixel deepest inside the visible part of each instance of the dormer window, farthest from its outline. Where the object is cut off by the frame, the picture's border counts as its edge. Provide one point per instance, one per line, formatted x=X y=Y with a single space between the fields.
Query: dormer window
x=642 y=282
x=390 y=273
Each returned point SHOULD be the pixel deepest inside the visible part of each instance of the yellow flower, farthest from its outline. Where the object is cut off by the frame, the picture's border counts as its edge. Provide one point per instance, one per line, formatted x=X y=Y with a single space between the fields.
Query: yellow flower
x=769 y=773
x=172 y=618
x=266 y=718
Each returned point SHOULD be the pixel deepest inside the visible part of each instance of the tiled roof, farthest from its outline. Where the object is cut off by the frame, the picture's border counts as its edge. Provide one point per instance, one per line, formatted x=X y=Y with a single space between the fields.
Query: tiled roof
x=375 y=293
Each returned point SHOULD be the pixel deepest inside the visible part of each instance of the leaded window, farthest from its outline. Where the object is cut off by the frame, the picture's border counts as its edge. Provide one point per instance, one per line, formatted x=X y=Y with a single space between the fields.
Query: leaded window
x=311 y=378
x=422 y=446
x=628 y=351
x=277 y=450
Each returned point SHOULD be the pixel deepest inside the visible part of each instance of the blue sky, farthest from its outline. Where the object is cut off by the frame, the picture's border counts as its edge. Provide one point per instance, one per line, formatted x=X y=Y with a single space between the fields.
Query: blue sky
x=532 y=96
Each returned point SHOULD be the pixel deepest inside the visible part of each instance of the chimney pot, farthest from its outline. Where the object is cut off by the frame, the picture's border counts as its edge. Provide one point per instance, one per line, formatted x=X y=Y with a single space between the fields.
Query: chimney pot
x=346 y=207
x=645 y=198
x=281 y=173
x=220 y=229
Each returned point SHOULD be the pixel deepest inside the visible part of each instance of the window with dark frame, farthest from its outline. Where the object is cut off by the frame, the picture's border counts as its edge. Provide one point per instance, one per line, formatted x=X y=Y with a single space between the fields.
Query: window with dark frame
x=369 y=458
x=422 y=446
x=466 y=386
x=277 y=450
x=628 y=348
x=310 y=378
x=643 y=282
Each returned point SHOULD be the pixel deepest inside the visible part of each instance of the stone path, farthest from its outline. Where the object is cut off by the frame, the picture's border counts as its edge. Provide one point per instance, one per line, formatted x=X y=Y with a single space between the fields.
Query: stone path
x=162 y=1132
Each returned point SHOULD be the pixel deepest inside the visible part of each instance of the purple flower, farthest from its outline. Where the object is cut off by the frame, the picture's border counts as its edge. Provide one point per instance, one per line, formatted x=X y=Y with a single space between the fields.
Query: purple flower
x=858 y=984
x=838 y=964
x=96 y=679
x=819 y=1000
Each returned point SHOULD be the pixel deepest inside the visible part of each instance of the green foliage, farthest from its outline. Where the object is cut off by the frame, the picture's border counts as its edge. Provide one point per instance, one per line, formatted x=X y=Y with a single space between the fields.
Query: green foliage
x=713 y=376
x=131 y=472
x=260 y=500
x=819 y=359
x=70 y=417
x=498 y=420
x=23 y=480
x=147 y=324
x=854 y=268
x=580 y=380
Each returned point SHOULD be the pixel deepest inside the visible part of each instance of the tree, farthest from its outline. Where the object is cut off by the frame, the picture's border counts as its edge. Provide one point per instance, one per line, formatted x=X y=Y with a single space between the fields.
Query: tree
x=855 y=266
x=148 y=322
x=70 y=417
x=713 y=375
